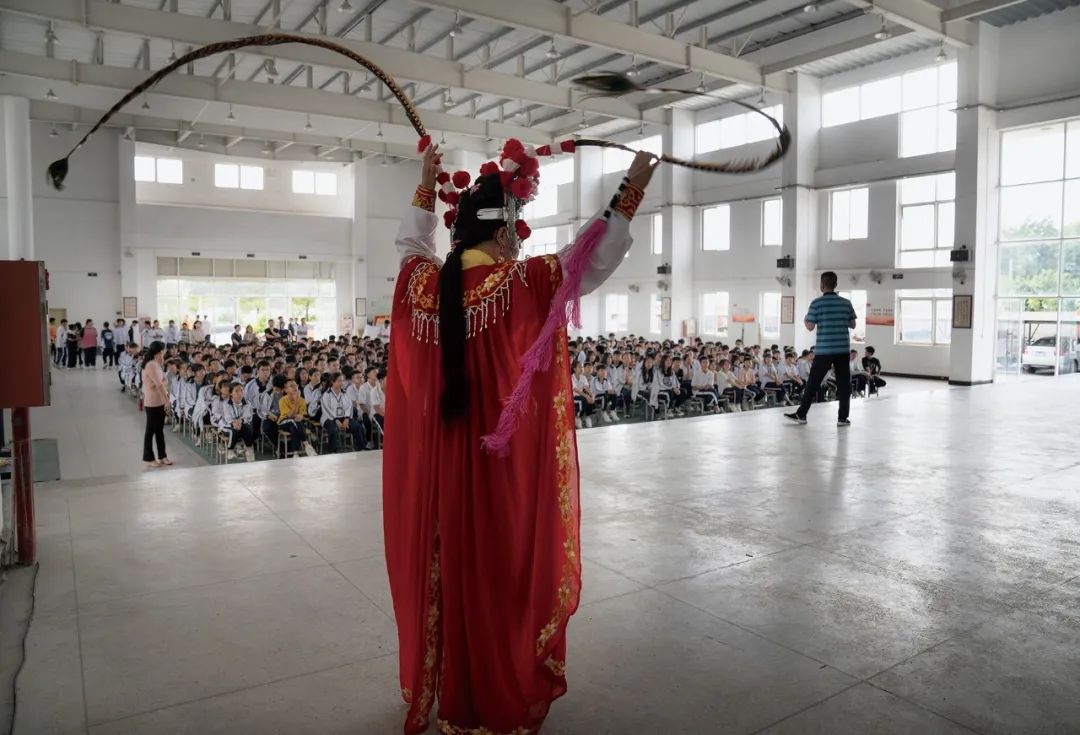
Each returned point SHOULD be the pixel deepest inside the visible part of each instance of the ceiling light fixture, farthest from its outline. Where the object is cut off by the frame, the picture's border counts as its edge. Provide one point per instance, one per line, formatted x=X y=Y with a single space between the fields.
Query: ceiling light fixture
x=456 y=29
x=883 y=34
x=448 y=100
x=172 y=54
x=266 y=149
x=941 y=57
x=809 y=8
x=307 y=123
x=51 y=95
x=271 y=68
x=384 y=162
x=442 y=138
x=552 y=52
x=379 y=134
x=202 y=142
x=700 y=88
x=145 y=104
x=230 y=116
x=345 y=6
x=50 y=34
x=641 y=129
x=584 y=123
x=633 y=72
x=53 y=133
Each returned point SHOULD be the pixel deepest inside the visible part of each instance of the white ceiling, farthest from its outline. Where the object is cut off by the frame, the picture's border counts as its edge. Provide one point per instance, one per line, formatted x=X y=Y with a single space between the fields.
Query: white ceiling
x=90 y=66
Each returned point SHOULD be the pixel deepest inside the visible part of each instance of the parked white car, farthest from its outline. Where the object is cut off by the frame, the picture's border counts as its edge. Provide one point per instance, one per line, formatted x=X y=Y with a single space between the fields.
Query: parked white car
x=1043 y=352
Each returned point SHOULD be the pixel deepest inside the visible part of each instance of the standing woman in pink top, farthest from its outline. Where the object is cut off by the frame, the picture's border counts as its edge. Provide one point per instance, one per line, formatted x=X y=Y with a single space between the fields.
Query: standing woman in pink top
x=88 y=343
x=155 y=403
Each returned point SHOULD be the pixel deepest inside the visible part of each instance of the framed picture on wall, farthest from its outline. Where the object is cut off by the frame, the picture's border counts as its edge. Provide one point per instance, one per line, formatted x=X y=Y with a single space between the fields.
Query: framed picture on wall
x=787 y=309
x=961 y=311
x=665 y=309
x=131 y=307
x=361 y=307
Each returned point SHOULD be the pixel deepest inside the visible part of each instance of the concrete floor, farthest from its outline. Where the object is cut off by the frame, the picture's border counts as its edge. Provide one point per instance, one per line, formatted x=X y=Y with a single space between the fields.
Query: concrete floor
x=916 y=573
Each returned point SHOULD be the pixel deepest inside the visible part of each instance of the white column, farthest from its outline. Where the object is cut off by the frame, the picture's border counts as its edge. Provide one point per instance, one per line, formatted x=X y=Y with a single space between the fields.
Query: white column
x=971 y=354
x=589 y=198
x=678 y=212
x=802 y=114
x=129 y=272
x=357 y=270
x=17 y=170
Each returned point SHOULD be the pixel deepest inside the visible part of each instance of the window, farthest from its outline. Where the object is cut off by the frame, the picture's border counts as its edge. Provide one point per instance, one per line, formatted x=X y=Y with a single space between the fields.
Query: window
x=858 y=302
x=772 y=222
x=657 y=234
x=161 y=170
x=543 y=241
x=552 y=175
x=770 y=315
x=617 y=312
x=849 y=214
x=926 y=220
x=714 y=313
x=927 y=123
x=233 y=176
x=716 y=227
x=616 y=159
x=321 y=183
x=655 y=324
x=923 y=97
x=924 y=316
x=728 y=132
x=326 y=184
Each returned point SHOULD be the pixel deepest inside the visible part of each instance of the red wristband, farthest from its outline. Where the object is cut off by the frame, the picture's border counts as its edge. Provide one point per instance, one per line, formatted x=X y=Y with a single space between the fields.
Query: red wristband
x=628 y=200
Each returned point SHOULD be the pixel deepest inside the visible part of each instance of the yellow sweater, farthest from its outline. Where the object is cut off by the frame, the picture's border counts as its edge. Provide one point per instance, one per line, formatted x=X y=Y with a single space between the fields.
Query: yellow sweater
x=288 y=407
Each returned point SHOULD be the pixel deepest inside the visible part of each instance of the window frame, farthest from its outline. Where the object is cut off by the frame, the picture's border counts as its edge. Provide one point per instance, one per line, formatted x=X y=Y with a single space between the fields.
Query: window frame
x=848 y=190
x=727 y=238
x=937 y=203
x=656 y=324
x=780 y=225
x=762 y=298
x=936 y=297
x=656 y=220
x=625 y=299
x=721 y=333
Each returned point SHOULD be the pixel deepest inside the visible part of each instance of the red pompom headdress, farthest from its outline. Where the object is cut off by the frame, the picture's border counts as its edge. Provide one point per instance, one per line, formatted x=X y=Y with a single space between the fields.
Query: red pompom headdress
x=518 y=168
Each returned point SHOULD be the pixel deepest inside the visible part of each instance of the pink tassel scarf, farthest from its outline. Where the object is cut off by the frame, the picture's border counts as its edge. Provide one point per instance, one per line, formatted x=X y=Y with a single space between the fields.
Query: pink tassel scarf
x=565 y=306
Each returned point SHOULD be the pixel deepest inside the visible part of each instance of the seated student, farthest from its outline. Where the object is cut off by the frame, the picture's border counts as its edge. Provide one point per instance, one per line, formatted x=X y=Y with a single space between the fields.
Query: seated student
x=204 y=395
x=313 y=394
x=584 y=402
x=222 y=395
x=292 y=412
x=748 y=378
x=128 y=366
x=726 y=385
x=235 y=419
x=703 y=385
x=859 y=376
x=789 y=374
x=872 y=366
x=671 y=386
x=647 y=382
x=604 y=390
x=185 y=396
x=337 y=416
x=622 y=377
x=371 y=401
x=769 y=378
x=354 y=381
x=268 y=409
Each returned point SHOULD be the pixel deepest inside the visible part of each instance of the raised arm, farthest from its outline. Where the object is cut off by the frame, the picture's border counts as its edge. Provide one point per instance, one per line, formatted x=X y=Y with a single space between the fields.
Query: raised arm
x=416 y=234
x=616 y=241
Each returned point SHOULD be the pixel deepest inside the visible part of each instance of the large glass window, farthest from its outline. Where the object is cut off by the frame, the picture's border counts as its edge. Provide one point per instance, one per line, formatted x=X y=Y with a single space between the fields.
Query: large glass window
x=616 y=159
x=924 y=316
x=655 y=311
x=321 y=183
x=923 y=97
x=927 y=209
x=716 y=227
x=552 y=175
x=542 y=241
x=770 y=315
x=160 y=170
x=617 y=312
x=234 y=176
x=849 y=214
x=715 y=313
x=772 y=222
x=728 y=132
x=250 y=301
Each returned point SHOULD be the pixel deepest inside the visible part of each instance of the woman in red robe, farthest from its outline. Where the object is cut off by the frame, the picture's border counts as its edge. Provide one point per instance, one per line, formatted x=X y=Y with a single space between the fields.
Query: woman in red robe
x=483 y=548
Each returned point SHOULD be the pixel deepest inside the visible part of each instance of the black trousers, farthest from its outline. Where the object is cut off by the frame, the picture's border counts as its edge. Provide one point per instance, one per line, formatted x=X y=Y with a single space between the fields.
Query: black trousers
x=72 y=354
x=818 y=370
x=155 y=433
x=90 y=356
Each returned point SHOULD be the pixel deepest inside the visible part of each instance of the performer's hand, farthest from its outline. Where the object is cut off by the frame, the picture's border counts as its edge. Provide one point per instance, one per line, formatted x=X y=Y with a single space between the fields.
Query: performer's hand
x=641 y=169
x=432 y=160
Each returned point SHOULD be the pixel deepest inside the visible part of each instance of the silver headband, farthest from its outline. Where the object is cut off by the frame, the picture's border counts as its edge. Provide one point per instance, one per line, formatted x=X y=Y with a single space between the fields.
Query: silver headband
x=492 y=213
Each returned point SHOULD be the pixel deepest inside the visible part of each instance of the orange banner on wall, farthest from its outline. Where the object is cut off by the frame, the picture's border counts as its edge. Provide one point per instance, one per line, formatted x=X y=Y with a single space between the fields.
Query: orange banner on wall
x=880 y=316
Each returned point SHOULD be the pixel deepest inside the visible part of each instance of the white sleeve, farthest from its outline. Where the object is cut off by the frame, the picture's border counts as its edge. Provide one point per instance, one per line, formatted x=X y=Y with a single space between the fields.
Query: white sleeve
x=608 y=255
x=416 y=235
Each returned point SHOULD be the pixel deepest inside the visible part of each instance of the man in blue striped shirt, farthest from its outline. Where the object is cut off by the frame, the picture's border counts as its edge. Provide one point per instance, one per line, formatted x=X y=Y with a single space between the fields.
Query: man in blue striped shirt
x=832 y=316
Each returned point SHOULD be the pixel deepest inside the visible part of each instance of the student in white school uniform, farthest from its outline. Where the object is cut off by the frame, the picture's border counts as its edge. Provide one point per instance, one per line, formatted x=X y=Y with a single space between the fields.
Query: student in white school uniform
x=60 y=357
x=235 y=419
x=257 y=385
x=268 y=411
x=584 y=402
x=371 y=402
x=354 y=381
x=703 y=385
x=204 y=399
x=647 y=382
x=128 y=367
x=789 y=374
x=172 y=334
x=604 y=390
x=337 y=416
x=313 y=394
